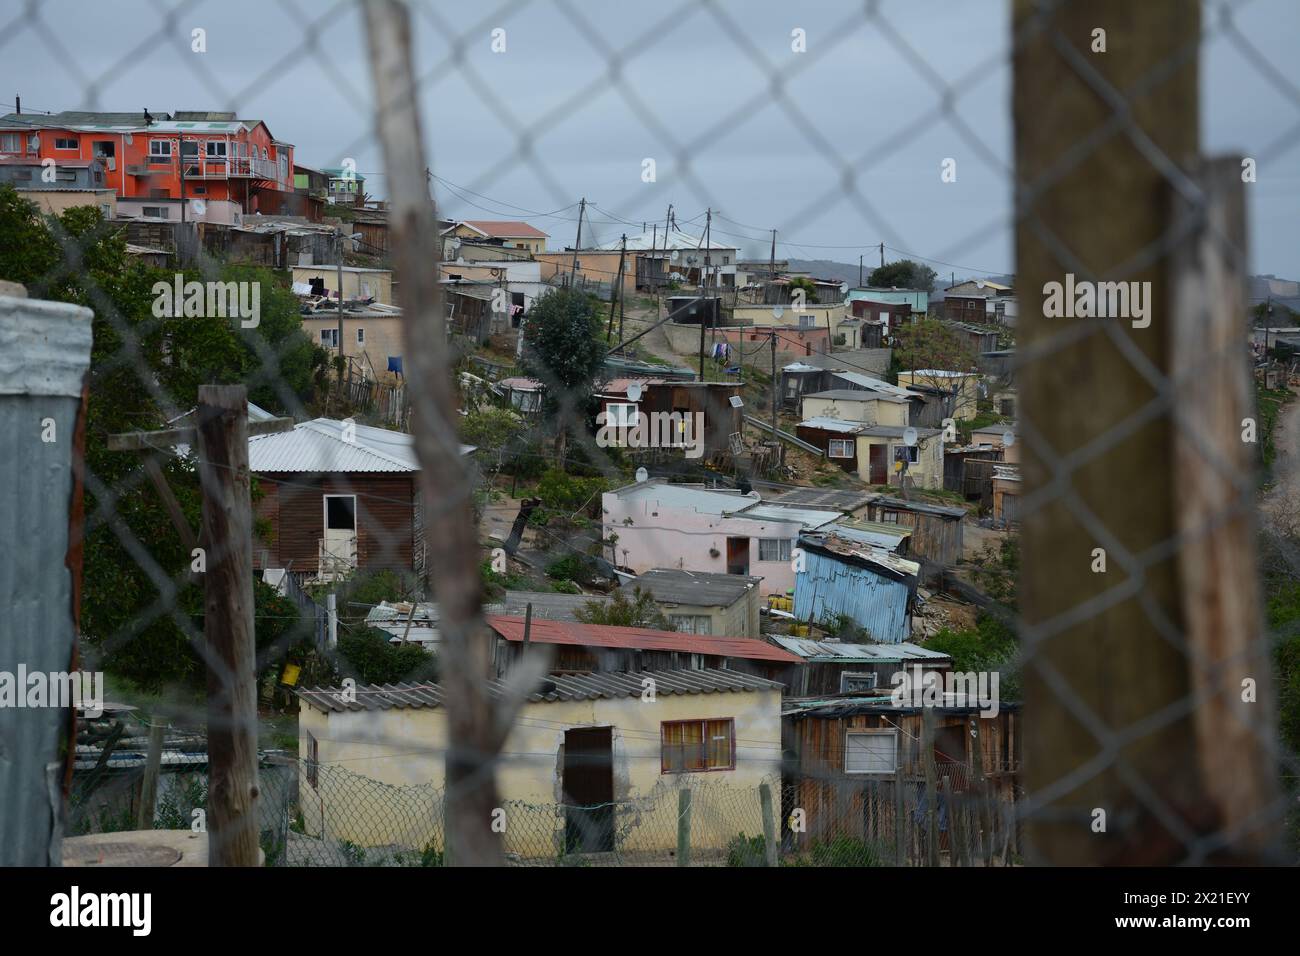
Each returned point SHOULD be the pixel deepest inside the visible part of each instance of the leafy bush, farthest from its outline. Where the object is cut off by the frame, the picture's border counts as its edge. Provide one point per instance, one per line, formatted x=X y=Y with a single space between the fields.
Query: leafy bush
x=846 y=851
x=375 y=660
x=747 y=851
x=565 y=493
x=640 y=611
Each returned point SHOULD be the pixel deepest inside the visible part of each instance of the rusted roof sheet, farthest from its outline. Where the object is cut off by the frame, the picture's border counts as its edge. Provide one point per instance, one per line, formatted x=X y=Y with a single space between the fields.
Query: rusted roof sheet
x=638 y=638
x=549 y=690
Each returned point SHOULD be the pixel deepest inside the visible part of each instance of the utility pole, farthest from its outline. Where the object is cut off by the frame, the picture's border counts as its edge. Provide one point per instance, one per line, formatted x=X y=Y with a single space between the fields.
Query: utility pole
x=577 y=243
x=338 y=254
x=882 y=255
x=668 y=218
x=775 y=389
x=704 y=286
x=181 y=146
x=618 y=290
x=859 y=272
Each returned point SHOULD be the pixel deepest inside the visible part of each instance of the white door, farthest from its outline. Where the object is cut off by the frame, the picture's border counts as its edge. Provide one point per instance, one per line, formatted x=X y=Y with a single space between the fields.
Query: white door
x=339 y=544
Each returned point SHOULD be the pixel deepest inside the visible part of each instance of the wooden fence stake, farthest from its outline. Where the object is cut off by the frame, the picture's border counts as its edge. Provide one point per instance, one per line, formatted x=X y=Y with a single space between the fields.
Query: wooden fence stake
x=152 y=767
x=684 y=827
x=770 y=848
x=222 y=420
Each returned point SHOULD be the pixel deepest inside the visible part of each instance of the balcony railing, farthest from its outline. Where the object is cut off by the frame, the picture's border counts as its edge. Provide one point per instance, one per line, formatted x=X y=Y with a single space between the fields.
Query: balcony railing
x=208 y=167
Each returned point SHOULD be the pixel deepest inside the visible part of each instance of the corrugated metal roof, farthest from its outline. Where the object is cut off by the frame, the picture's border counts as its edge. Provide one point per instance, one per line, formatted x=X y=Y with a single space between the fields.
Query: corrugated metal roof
x=550 y=689
x=703 y=588
x=824 y=652
x=709 y=501
x=824 y=424
x=637 y=638
x=874 y=384
x=808 y=518
x=875 y=533
x=654 y=240
x=325 y=445
x=921 y=507
x=828 y=499
x=856 y=395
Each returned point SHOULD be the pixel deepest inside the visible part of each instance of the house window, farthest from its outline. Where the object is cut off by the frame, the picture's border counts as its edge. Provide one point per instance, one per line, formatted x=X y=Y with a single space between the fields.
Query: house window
x=851 y=683
x=313 y=759
x=11 y=143
x=773 y=549
x=841 y=448
x=189 y=147
x=199 y=190
x=329 y=338
x=65 y=142
x=692 y=623
x=361 y=336
x=217 y=148
x=153 y=212
x=870 y=751
x=889 y=517
x=689 y=746
x=160 y=149
x=908 y=453
x=621 y=415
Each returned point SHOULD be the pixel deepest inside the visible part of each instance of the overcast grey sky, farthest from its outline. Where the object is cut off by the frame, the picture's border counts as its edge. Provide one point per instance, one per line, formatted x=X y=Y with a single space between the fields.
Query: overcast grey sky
x=695 y=82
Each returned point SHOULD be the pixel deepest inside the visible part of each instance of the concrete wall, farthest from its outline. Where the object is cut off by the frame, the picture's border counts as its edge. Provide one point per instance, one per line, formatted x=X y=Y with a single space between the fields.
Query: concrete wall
x=406 y=747
x=56 y=201
x=873 y=412
x=682 y=538
x=357 y=284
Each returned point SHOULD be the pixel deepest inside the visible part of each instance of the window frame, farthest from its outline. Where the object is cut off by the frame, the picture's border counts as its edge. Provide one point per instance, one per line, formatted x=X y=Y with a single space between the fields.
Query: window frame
x=361 y=336
x=161 y=153
x=870 y=732
x=74 y=148
x=780 y=542
x=849 y=443
x=665 y=768
x=329 y=338
x=16 y=138
x=695 y=620
x=622 y=421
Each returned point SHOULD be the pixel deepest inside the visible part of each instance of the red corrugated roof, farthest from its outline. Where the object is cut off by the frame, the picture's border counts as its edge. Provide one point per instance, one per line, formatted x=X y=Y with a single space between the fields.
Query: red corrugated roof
x=637 y=638
x=506 y=229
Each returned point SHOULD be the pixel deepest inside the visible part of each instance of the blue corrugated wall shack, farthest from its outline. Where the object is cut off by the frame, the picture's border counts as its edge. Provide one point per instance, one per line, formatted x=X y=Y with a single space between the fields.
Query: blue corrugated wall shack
x=875 y=597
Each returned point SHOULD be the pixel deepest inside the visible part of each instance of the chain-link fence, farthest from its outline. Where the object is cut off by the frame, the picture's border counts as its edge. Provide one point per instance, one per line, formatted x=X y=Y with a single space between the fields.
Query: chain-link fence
x=427 y=443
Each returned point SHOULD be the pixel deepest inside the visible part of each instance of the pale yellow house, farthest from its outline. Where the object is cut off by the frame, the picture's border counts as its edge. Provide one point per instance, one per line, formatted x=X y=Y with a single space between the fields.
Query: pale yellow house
x=373 y=336
x=816 y=315
x=625 y=741
x=965 y=385
x=510 y=233
x=358 y=283
x=57 y=201
x=1002 y=437
x=884 y=457
x=856 y=405
x=703 y=602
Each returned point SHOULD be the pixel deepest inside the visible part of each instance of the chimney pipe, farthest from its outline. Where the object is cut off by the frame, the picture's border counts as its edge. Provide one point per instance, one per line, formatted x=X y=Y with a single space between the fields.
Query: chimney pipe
x=18 y=104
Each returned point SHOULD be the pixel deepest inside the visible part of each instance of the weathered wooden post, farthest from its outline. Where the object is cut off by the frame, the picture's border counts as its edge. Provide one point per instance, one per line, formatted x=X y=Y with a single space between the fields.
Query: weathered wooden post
x=43 y=367
x=931 y=788
x=222 y=425
x=770 y=848
x=152 y=768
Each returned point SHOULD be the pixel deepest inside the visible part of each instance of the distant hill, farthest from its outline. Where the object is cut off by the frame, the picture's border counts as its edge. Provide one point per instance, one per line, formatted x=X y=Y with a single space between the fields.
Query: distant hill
x=846 y=272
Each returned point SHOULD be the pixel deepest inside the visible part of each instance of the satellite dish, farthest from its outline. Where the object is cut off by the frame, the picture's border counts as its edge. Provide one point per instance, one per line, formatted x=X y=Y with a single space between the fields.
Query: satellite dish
x=634 y=395
x=909 y=436
x=199 y=206
x=1008 y=439
x=642 y=475
x=675 y=256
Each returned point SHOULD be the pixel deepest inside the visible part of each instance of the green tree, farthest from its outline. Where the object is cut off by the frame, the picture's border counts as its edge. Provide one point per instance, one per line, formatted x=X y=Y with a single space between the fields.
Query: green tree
x=903 y=274
x=563 y=350
x=807 y=285
x=640 y=611
x=137 y=599
x=934 y=346
x=374 y=659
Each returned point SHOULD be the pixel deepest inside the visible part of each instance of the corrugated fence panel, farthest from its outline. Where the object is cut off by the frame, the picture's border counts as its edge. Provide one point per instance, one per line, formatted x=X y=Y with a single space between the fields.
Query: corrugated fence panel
x=828 y=587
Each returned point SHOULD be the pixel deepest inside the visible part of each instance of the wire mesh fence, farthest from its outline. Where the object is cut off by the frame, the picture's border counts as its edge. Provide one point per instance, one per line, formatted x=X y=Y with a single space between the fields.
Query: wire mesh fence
x=1155 y=603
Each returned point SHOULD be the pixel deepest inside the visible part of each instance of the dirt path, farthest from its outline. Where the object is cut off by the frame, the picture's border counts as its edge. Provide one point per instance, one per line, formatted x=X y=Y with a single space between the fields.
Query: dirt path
x=1282 y=501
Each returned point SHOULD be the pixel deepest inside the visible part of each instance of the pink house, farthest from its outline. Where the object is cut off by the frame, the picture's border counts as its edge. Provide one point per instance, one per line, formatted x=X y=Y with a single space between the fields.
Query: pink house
x=662 y=525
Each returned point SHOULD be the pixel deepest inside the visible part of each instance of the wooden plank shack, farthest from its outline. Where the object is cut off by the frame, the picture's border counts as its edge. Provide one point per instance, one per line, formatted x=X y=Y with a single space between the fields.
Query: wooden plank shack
x=839 y=802
x=936 y=530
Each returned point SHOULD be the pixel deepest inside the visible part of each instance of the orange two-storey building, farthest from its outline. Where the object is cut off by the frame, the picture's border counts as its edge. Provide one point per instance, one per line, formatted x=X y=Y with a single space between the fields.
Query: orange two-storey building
x=192 y=166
